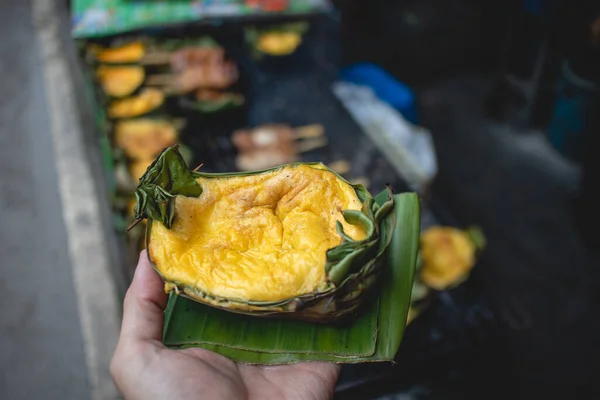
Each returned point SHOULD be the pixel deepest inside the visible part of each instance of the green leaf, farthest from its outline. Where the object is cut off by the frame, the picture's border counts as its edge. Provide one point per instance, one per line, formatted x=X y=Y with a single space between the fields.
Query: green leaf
x=229 y=100
x=167 y=177
x=279 y=341
x=402 y=257
x=350 y=255
x=219 y=327
x=477 y=236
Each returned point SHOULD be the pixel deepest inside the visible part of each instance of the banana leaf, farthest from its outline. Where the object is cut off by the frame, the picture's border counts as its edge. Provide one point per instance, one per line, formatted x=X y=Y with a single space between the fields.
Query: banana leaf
x=375 y=335
x=229 y=100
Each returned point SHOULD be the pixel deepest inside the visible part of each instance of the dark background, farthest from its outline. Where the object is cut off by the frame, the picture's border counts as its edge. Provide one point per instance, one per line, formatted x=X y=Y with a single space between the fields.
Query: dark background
x=485 y=74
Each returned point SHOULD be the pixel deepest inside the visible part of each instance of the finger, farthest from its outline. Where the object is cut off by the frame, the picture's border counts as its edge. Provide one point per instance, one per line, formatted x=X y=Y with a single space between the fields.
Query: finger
x=329 y=372
x=315 y=380
x=144 y=304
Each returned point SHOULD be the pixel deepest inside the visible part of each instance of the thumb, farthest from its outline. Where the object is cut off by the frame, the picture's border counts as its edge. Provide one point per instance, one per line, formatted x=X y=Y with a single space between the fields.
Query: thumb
x=144 y=304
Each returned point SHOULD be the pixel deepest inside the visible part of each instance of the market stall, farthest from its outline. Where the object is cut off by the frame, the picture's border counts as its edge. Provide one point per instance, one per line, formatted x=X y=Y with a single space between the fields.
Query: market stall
x=243 y=87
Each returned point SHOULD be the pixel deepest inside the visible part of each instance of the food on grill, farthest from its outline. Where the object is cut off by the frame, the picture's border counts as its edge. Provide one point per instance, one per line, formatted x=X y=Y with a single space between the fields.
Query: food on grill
x=272 y=144
x=138 y=168
x=143 y=103
x=265 y=158
x=195 y=68
x=279 y=43
x=273 y=136
x=264 y=136
x=119 y=81
x=127 y=53
x=206 y=77
x=144 y=138
x=187 y=57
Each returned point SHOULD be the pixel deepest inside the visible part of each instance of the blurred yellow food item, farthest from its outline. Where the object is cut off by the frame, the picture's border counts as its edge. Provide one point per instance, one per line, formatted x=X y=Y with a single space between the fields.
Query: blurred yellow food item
x=128 y=53
x=448 y=256
x=144 y=138
x=279 y=43
x=138 y=168
x=261 y=237
x=143 y=103
x=120 y=81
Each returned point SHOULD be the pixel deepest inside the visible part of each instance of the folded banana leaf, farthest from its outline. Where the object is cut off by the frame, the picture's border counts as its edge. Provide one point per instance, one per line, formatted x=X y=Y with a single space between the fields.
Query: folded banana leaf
x=375 y=334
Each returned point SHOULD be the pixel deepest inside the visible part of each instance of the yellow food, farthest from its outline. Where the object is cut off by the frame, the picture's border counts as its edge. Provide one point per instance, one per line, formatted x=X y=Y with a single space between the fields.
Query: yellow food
x=448 y=255
x=146 y=101
x=138 y=168
x=279 y=43
x=129 y=53
x=120 y=81
x=144 y=138
x=261 y=237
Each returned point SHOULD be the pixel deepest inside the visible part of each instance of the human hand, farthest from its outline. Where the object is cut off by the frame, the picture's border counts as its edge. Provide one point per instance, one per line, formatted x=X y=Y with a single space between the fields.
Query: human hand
x=143 y=368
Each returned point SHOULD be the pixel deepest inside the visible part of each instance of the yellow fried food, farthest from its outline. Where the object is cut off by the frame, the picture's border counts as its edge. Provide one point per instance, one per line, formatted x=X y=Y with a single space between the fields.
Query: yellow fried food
x=448 y=256
x=128 y=53
x=120 y=81
x=259 y=237
x=143 y=103
x=279 y=43
x=143 y=139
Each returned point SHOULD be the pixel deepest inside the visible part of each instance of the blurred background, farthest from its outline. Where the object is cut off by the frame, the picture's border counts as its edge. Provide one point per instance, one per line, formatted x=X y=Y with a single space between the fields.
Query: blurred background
x=489 y=110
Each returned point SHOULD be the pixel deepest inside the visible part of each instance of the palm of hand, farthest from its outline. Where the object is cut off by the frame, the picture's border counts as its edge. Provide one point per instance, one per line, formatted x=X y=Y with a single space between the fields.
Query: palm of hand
x=144 y=369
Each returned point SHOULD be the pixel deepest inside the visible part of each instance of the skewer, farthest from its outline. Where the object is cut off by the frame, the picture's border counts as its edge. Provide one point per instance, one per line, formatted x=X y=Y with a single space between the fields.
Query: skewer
x=266 y=158
x=198 y=167
x=133 y=224
x=156 y=58
x=309 y=131
x=311 y=144
x=161 y=80
x=195 y=78
x=167 y=90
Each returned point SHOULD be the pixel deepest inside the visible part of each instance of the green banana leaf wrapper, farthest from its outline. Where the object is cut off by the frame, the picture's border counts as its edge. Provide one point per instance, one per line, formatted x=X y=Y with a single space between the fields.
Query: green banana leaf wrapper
x=371 y=332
